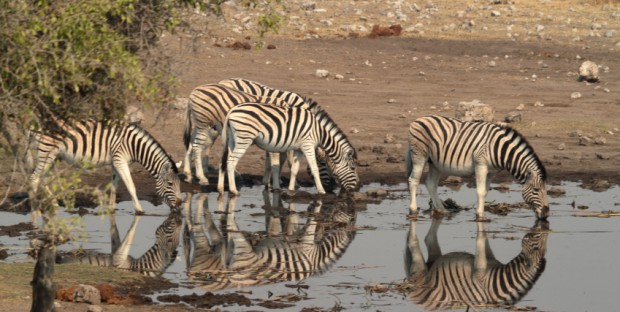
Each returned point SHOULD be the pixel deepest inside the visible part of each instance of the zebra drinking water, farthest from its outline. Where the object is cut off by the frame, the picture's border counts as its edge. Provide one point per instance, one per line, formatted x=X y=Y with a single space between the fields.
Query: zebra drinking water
x=208 y=106
x=280 y=129
x=459 y=279
x=104 y=143
x=464 y=148
x=292 y=99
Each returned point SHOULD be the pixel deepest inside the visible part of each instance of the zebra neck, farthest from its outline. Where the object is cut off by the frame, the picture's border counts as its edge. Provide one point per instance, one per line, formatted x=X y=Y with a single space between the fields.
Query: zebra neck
x=513 y=153
x=333 y=140
x=146 y=151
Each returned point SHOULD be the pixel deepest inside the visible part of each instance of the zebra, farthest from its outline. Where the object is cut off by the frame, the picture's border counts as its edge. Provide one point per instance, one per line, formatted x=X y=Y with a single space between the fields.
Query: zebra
x=465 y=148
x=459 y=278
x=230 y=260
x=293 y=99
x=208 y=106
x=103 y=143
x=279 y=129
x=259 y=89
x=153 y=262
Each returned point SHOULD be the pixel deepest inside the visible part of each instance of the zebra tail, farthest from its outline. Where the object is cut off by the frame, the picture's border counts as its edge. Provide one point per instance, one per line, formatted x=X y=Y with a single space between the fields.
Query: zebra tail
x=224 y=161
x=187 y=132
x=408 y=161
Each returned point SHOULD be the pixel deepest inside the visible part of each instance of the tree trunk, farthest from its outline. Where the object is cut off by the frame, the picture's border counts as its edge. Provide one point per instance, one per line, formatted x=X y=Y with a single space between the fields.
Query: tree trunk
x=43 y=288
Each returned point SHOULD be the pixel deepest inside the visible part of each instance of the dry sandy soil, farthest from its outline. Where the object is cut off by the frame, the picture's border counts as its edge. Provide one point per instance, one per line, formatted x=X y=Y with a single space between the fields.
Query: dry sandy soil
x=447 y=52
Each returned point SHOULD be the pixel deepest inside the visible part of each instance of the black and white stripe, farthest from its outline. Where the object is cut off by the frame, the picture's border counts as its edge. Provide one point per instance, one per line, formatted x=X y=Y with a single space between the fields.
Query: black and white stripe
x=461 y=279
x=208 y=106
x=259 y=89
x=104 y=143
x=153 y=262
x=280 y=129
x=292 y=99
x=464 y=148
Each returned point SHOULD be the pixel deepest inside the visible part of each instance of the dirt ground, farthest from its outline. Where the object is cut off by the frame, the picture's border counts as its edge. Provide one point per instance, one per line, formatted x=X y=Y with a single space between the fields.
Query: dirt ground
x=525 y=59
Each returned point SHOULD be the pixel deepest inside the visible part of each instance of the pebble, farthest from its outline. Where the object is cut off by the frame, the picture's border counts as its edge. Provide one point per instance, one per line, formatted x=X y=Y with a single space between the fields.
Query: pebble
x=575 y=95
x=561 y=146
x=321 y=73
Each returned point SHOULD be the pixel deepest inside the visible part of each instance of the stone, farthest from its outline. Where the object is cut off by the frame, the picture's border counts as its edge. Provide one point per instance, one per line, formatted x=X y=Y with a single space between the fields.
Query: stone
x=358 y=196
x=600 y=141
x=389 y=138
x=87 y=294
x=377 y=193
x=94 y=308
x=180 y=103
x=588 y=71
x=474 y=111
x=556 y=191
x=585 y=140
x=561 y=146
x=321 y=73
x=575 y=95
x=133 y=115
x=514 y=116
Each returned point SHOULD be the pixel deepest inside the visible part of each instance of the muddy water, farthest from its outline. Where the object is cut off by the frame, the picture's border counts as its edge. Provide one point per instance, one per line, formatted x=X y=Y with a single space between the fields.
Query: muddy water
x=580 y=265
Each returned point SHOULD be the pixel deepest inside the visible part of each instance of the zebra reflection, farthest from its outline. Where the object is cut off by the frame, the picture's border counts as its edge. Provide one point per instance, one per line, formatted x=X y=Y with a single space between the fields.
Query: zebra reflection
x=153 y=262
x=288 y=250
x=460 y=279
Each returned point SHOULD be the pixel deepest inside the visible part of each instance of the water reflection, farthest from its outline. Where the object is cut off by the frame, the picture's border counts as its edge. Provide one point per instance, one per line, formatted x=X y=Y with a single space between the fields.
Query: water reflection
x=287 y=250
x=153 y=262
x=460 y=279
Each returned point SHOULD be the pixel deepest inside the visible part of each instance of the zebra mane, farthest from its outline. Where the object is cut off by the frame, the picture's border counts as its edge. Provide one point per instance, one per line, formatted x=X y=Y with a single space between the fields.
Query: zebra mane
x=138 y=129
x=322 y=114
x=508 y=130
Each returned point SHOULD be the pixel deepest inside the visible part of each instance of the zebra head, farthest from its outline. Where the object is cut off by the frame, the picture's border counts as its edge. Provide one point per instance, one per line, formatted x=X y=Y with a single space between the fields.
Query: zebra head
x=535 y=194
x=168 y=185
x=345 y=171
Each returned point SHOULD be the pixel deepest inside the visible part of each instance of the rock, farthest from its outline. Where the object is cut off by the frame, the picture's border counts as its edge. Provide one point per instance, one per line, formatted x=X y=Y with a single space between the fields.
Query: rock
x=585 y=140
x=474 y=111
x=321 y=73
x=561 y=146
x=588 y=71
x=354 y=130
x=180 y=103
x=575 y=95
x=496 y=13
x=453 y=180
x=308 y=6
x=339 y=77
x=87 y=294
x=391 y=101
x=600 y=141
x=357 y=196
x=538 y=104
x=377 y=193
x=94 y=308
x=602 y=156
x=556 y=191
x=514 y=117
x=133 y=115
x=610 y=33
x=389 y=138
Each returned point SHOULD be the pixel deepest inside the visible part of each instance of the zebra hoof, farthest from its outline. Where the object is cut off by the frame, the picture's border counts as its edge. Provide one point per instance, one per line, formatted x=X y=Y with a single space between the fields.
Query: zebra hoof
x=203 y=182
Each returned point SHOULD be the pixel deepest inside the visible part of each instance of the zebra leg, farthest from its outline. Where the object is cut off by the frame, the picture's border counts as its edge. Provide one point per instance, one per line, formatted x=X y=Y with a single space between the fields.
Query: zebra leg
x=121 y=255
x=204 y=138
x=113 y=188
x=276 y=169
x=417 y=267
x=187 y=166
x=238 y=150
x=416 y=165
x=122 y=168
x=483 y=252
x=294 y=162
x=314 y=168
x=432 y=180
x=482 y=183
x=432 y=242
